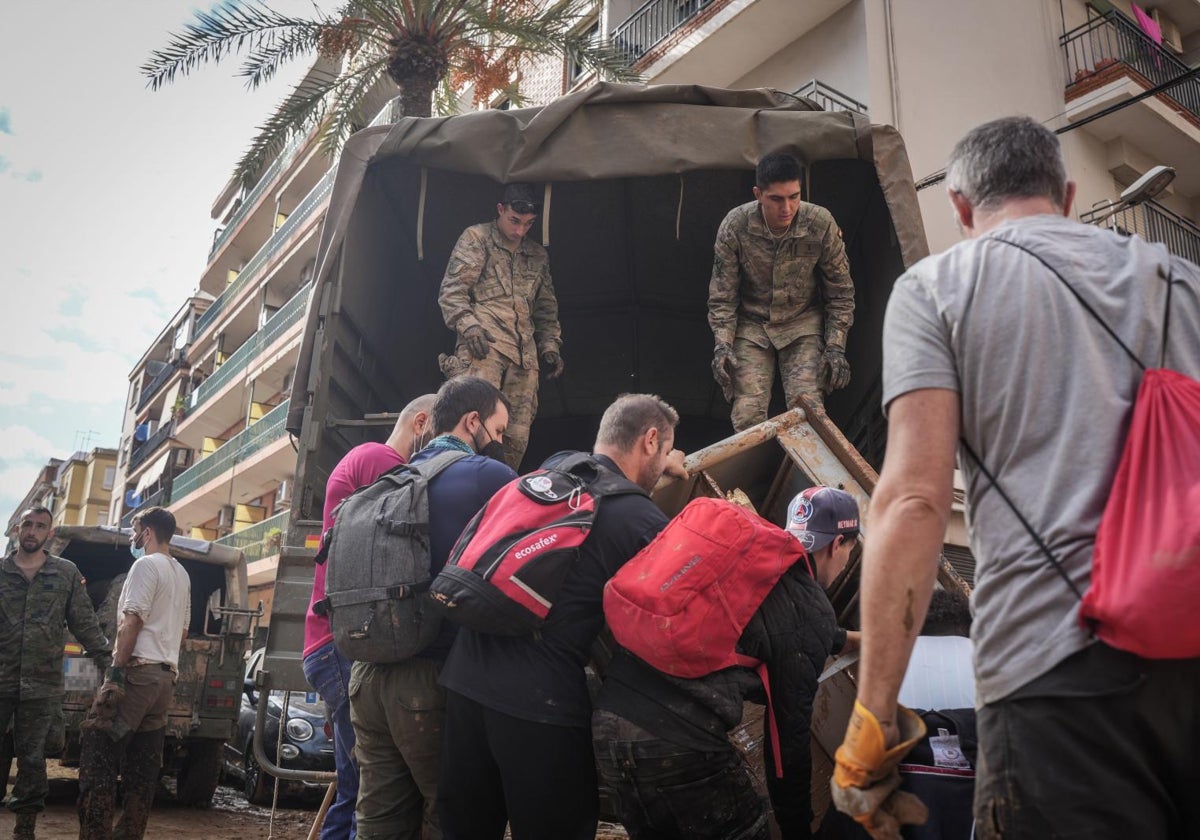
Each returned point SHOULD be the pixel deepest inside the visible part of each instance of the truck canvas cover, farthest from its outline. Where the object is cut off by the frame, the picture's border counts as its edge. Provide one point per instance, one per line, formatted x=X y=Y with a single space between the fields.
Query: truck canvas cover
x=633 y=181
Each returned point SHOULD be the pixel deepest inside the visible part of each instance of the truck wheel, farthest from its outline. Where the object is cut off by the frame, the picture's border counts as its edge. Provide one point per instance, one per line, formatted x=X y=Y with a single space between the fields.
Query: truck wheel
x=199 y=772
x=258 y=786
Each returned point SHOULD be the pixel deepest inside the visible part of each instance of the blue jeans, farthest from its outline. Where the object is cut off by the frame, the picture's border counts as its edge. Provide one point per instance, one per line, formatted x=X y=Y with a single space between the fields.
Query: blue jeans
x=328 y=672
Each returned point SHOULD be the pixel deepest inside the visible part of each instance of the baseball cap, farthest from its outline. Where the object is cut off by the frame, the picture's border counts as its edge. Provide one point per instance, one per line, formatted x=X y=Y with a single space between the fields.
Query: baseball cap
x=819 y=514
x=520 y=197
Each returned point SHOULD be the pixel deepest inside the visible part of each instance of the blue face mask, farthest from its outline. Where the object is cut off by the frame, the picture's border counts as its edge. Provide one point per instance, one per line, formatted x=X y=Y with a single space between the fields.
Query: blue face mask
x=137 y=550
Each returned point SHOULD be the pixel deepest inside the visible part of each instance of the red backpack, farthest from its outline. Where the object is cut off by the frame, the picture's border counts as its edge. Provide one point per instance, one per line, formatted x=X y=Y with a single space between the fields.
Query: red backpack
x=1145 y=575
x=682 y=603
x=506 y=569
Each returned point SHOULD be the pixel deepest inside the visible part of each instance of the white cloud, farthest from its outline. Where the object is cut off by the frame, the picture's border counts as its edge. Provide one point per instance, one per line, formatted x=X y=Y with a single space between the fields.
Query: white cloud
x=21 y=442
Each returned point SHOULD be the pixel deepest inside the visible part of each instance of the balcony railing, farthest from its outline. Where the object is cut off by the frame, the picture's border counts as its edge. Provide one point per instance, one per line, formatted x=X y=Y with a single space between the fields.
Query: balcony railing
x=236 y=364
x=159 y=497
x=1154 y=222
x=235 y=450
x=830 y=99
x=269 y=249
x=155 y=384
x=251 y=198
x=653 y=21
x=1113 y=39
x=261 y=539
x=146 y=449
x=389 y=113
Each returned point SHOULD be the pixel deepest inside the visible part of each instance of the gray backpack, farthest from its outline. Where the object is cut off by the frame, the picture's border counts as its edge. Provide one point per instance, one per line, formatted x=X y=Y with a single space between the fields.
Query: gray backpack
x=377 y=568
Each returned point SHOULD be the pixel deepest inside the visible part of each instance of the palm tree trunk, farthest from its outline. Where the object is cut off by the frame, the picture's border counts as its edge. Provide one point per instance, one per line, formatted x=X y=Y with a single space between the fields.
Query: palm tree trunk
x=416 y=97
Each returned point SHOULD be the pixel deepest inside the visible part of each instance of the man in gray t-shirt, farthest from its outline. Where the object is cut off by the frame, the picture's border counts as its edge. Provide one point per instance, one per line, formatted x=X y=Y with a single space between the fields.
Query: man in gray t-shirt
x=985 y=342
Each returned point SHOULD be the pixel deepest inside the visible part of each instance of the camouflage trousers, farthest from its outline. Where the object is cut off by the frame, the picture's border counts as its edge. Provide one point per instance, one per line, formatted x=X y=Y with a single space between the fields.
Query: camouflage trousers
x=31 y=720
x=518 y=384
x=799 y=366
x=398 y=711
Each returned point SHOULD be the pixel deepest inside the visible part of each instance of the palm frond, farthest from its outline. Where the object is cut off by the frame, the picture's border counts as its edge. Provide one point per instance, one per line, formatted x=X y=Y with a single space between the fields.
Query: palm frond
x=301 y=111
x=264 y=60
x=345 y=114
x=213 y=35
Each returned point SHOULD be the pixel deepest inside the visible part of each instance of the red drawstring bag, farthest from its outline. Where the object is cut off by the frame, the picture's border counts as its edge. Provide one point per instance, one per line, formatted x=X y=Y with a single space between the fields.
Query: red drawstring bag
x=1146 y=561
x=1145 y=577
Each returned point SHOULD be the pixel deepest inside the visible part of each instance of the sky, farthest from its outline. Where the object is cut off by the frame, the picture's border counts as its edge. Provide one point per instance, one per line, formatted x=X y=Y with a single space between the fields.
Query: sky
x=105 y=193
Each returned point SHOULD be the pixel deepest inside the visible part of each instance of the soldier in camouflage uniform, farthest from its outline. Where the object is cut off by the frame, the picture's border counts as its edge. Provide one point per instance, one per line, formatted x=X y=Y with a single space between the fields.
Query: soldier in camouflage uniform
x=780 y=287
x=498 y=297
x=40 y=597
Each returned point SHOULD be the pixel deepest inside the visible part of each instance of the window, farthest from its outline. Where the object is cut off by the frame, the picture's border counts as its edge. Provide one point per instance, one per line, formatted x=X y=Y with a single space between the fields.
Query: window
x=575 y=68
x=110 y=476
x=133 y=394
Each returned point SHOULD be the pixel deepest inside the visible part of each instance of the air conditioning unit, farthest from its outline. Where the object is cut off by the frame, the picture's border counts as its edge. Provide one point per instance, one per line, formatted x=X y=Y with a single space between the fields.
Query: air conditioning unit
x=1171 y=38
x=225 y=517
x=283 y=494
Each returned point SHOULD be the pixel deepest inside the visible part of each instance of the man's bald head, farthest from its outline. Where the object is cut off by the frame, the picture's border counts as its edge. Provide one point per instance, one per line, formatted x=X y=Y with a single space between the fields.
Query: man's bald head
x=414 y=426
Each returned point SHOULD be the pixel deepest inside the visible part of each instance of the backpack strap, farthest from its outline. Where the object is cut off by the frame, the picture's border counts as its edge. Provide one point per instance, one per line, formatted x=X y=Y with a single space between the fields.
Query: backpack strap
x=600 y=480
x=431 y=469
x=772 y=726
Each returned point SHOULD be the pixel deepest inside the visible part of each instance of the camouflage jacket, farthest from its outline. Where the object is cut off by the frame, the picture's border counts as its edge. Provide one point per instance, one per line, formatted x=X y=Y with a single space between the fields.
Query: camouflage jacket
x=32 y=618
x=507 y=292
x=766 y=290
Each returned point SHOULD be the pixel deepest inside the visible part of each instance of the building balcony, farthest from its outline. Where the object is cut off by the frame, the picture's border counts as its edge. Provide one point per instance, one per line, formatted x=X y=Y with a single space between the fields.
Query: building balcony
x=713 y=42
x=1150 y=220
x=247 y=279
x=218 y=402
x=260 y=545
x=830 y=99
x=1110 y=60
x=236 y=472
x=161 y=497
x=157 y=382
x=144 y=450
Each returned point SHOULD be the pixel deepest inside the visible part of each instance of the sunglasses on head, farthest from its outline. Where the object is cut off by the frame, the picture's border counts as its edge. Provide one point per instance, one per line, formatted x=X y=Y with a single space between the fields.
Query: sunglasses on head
x=523 y=207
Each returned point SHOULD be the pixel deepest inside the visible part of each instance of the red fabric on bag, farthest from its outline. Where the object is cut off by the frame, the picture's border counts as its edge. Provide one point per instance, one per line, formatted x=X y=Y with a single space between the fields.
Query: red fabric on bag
x=1145 y=587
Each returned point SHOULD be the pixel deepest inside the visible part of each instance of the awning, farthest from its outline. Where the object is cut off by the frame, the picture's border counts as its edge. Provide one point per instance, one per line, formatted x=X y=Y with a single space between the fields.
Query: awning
x=153 y=473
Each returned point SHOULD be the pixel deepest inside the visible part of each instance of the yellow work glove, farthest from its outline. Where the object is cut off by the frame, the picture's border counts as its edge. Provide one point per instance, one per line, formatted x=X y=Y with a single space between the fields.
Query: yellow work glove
x=865 y=778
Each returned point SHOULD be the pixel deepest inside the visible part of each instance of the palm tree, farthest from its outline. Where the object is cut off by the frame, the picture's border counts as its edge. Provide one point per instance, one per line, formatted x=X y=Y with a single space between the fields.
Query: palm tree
x=418 y=44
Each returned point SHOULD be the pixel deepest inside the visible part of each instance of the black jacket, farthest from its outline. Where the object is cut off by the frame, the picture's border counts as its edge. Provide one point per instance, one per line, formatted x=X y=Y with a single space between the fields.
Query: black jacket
x=793 y=632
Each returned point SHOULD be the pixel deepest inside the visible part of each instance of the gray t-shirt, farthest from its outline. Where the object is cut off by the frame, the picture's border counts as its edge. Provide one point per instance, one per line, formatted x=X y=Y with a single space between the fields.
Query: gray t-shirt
x=1046 y=398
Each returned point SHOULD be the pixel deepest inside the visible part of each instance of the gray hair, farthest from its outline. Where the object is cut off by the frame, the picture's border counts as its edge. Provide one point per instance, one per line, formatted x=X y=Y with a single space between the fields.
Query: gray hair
x=1012 y=157
x=631 y=416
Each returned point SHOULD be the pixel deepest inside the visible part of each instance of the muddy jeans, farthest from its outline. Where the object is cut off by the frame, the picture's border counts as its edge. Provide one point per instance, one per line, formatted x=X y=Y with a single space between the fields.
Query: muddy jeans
x=1105 y=745
x=398 y=711
x=31 y=720
x=328 y=672
x=132 y=748
x=668 y=792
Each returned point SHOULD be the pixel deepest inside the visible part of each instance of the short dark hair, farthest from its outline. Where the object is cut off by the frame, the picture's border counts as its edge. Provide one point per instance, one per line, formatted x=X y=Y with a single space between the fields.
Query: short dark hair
x=776 y=168
x=949 y=614
x=631 y=416
x=1012 y=157
x=38 y=509
x=160 y=521
x=462 y=395
x=519 y=197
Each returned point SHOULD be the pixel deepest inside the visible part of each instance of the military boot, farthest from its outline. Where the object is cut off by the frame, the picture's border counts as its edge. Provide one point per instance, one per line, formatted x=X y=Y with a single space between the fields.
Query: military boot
x=23 y=830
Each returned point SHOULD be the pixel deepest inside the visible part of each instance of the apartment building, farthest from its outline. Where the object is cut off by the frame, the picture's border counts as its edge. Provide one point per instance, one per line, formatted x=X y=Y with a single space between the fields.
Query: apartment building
x=936 y=68
x=77 y=490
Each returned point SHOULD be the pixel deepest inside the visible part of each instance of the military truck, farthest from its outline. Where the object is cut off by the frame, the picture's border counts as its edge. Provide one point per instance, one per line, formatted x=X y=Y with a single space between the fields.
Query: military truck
x=634 y=182
x=211 y=661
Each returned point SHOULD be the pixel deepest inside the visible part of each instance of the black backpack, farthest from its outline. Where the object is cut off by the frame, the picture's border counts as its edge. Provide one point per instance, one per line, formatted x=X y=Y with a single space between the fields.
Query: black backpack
x=377 y=576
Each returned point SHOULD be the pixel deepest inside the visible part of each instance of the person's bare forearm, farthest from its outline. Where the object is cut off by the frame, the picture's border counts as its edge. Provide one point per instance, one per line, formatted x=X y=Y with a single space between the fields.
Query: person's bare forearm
x=127 y=633
x=908 y=516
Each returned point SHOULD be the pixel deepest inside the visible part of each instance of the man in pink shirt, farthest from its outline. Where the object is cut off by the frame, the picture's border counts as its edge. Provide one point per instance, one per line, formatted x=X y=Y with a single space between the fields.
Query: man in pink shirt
x=326 y=670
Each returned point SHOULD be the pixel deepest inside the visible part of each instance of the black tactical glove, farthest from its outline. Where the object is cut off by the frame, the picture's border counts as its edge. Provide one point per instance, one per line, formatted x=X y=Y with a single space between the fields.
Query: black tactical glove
x=723 y=365
x=553 y=361
x=477 y=341
x=835 y=370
